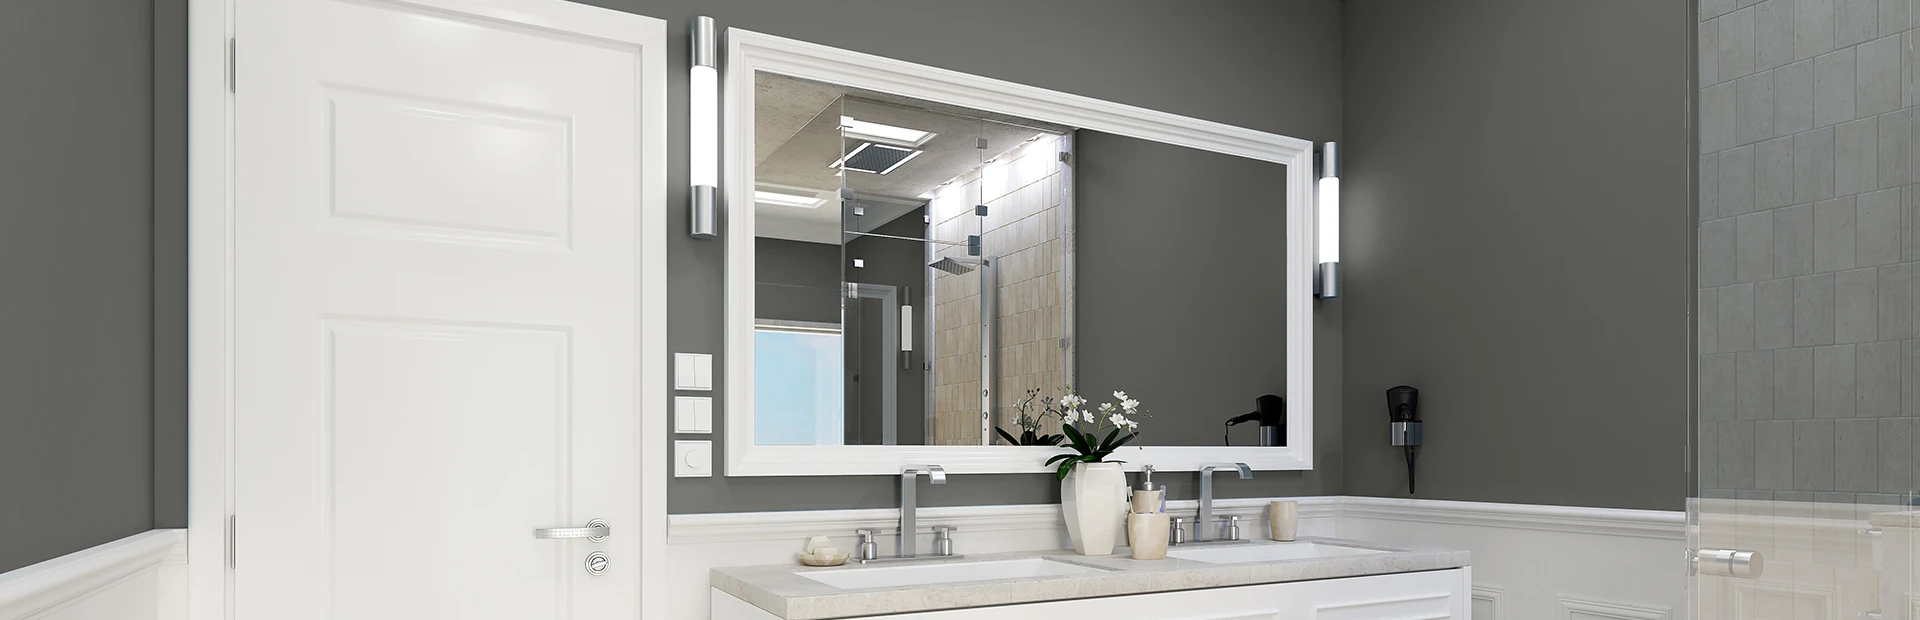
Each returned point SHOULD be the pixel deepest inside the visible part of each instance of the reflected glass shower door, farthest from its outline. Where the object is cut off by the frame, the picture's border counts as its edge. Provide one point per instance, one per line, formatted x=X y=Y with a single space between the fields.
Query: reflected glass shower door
x=1807 y=368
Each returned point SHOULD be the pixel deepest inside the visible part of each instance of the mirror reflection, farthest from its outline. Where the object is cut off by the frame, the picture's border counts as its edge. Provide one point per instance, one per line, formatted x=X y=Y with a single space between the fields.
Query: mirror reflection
x=916 y=274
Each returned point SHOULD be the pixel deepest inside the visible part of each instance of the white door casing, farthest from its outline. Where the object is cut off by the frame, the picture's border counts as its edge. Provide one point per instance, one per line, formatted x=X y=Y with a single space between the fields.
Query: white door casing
x=447 y=308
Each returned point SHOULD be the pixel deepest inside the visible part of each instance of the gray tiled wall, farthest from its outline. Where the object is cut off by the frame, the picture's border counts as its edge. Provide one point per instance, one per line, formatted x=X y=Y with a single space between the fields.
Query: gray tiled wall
x=1809 y=373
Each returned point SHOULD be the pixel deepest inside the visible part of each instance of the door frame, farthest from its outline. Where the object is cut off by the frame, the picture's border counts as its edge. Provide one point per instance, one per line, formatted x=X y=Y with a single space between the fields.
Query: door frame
x=210 y=293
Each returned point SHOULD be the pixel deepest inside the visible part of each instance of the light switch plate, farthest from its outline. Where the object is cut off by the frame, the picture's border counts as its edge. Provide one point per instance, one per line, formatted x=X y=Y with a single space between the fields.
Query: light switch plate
x=693 y=371
x=693 y=414
x=693 y=459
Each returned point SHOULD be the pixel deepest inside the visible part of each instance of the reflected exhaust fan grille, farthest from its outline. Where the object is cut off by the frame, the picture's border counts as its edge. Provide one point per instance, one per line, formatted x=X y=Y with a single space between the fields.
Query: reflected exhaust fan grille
x=876 y=158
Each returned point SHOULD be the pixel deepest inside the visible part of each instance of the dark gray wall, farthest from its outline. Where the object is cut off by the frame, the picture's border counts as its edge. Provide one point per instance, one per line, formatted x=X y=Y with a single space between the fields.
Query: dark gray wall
x=80 y=453
x=1516 y=246
x=1206 y=233
x=1273 y=66
x=900 y=264
x=796 y=280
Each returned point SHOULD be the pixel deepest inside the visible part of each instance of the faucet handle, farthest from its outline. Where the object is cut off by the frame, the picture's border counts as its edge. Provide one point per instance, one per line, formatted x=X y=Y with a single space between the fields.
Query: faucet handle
x=943 y=540
x=1233 y=527
x=867 y=549
x=1179 y=533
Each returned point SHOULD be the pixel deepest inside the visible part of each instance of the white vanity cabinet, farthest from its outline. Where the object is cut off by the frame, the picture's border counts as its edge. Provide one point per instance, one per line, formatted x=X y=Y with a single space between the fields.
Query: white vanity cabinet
x=1430 y=594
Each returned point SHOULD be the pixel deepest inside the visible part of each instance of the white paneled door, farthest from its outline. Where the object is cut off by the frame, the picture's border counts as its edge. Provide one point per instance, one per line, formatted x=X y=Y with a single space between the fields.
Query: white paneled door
x=438 y=269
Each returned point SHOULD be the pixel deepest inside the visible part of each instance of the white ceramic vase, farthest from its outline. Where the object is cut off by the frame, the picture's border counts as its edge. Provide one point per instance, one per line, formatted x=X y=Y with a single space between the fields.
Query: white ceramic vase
x=1094 y=498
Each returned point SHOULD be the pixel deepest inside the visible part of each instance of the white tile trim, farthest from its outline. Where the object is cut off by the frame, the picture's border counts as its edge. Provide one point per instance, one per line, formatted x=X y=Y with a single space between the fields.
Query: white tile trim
x=1658 y=524
x=30 y=590
x=798 y=524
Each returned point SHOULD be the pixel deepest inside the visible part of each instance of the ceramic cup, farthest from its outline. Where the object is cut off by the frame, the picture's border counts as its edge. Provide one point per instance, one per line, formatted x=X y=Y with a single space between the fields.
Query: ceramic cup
x=1284 y=520
x=1147 y=535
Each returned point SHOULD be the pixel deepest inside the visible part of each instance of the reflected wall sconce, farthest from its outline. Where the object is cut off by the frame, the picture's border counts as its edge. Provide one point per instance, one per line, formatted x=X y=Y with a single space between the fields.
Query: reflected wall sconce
x=703 y=131
x=1326 y=278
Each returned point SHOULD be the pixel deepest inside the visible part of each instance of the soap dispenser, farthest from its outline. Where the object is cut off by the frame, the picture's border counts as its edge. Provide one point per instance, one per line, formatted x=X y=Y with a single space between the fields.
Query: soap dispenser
x=1149 y=498
x=1147 y=524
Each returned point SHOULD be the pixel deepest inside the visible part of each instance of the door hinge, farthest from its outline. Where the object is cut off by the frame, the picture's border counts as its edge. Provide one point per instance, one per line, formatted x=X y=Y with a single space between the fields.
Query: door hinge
x=233 y=65
x=232 y=536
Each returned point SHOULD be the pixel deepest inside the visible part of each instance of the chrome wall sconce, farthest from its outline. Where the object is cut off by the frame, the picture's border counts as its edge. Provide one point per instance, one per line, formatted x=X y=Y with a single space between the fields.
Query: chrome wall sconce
x=1326 y=278
x=703 y=130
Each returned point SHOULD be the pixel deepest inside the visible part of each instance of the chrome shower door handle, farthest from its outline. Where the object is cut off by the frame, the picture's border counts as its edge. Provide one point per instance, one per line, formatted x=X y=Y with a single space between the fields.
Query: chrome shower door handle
x=596 y=531
x=1734 y=563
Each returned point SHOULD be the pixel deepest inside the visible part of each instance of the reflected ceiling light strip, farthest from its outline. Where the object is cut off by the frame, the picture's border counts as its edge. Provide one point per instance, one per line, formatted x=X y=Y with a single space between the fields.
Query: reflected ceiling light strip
x=703 y=109
x=903 y=161
x=787 y=200
x=1326 y=280
x=864 y=130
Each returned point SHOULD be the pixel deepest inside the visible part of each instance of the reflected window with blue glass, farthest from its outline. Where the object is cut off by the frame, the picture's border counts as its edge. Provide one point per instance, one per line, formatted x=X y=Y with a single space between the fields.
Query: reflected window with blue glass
x=797 y=385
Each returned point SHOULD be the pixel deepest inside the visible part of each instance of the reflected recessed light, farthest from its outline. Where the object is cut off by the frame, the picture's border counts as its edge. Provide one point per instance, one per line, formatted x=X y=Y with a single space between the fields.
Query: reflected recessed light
x=786 y=200
x=863 y=130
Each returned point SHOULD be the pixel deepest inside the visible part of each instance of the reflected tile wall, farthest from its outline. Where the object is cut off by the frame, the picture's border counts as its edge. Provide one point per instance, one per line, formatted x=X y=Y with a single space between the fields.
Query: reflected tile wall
x=1022 y=229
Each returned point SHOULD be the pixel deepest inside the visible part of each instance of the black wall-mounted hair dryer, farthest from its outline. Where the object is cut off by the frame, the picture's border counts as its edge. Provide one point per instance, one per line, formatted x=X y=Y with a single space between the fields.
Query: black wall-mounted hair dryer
x=1271 y=412
x=1403 y=402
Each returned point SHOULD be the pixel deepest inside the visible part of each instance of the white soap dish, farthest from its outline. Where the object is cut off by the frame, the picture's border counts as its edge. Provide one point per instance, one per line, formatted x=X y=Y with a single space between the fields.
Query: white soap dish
x=822 y=560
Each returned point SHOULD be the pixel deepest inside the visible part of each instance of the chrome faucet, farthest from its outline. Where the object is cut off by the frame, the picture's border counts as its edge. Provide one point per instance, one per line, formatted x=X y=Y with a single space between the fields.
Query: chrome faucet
x=1203 y=525
x=909 y=521
x=908 y=546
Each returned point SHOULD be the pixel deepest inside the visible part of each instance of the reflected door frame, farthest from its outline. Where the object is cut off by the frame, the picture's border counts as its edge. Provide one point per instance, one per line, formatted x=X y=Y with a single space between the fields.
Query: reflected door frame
x=748 y=52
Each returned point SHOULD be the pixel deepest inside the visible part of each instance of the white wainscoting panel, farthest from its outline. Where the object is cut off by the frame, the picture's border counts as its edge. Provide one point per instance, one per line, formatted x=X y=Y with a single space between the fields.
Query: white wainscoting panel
x=141 y=577
x=1581 y=609
x=1542 y=562
x=1486 y=601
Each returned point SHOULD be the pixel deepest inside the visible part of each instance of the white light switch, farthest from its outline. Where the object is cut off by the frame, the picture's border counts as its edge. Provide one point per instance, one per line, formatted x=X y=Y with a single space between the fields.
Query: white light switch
x=692 y=414
x=693 y=459
x=693 y=371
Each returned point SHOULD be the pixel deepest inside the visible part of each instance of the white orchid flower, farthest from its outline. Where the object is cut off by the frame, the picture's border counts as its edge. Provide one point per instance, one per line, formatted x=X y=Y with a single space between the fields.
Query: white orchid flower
x=1120 y=395
x=1130 y=405
x=1117 y=419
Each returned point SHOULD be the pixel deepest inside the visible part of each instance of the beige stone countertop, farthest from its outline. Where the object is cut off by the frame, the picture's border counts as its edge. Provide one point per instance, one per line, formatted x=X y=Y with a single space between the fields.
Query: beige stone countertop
x=782 y=590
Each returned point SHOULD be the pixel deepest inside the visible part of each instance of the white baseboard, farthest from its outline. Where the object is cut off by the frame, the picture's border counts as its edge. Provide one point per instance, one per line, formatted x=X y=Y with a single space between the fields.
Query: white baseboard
x=122 y=580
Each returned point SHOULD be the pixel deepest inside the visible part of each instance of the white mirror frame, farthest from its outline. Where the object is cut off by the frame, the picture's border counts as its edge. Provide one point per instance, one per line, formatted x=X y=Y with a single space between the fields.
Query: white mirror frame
x=749 y=52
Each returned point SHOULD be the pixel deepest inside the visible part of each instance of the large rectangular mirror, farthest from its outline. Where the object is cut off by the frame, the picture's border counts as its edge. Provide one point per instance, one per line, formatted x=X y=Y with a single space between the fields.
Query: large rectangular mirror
x=913 y=270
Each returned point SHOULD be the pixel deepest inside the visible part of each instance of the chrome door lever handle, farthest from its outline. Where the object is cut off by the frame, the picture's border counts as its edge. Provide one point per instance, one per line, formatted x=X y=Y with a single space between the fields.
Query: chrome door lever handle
x=596 y=531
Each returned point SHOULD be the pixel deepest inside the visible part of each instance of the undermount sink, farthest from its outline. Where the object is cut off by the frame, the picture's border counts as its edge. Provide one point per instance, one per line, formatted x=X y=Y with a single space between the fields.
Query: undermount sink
x=947 y=572
x=1241 y=554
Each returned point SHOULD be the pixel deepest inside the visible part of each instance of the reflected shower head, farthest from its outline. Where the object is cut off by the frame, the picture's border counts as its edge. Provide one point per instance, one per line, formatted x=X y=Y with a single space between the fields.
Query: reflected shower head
x=955 y=266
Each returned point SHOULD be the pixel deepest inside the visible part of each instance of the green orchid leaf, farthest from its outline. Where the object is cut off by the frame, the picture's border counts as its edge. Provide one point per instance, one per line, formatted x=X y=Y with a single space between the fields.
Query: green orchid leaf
x=1004 y=435
x=1079 y=439
x=1058 y=457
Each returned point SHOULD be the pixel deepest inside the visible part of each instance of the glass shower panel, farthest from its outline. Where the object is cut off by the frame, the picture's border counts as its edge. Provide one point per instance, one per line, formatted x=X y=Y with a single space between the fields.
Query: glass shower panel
x=909 y=184
x=1807 y=370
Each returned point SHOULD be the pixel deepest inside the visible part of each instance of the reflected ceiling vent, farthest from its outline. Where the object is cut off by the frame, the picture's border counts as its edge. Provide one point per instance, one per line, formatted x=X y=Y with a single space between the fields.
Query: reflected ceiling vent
x=875 y=158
